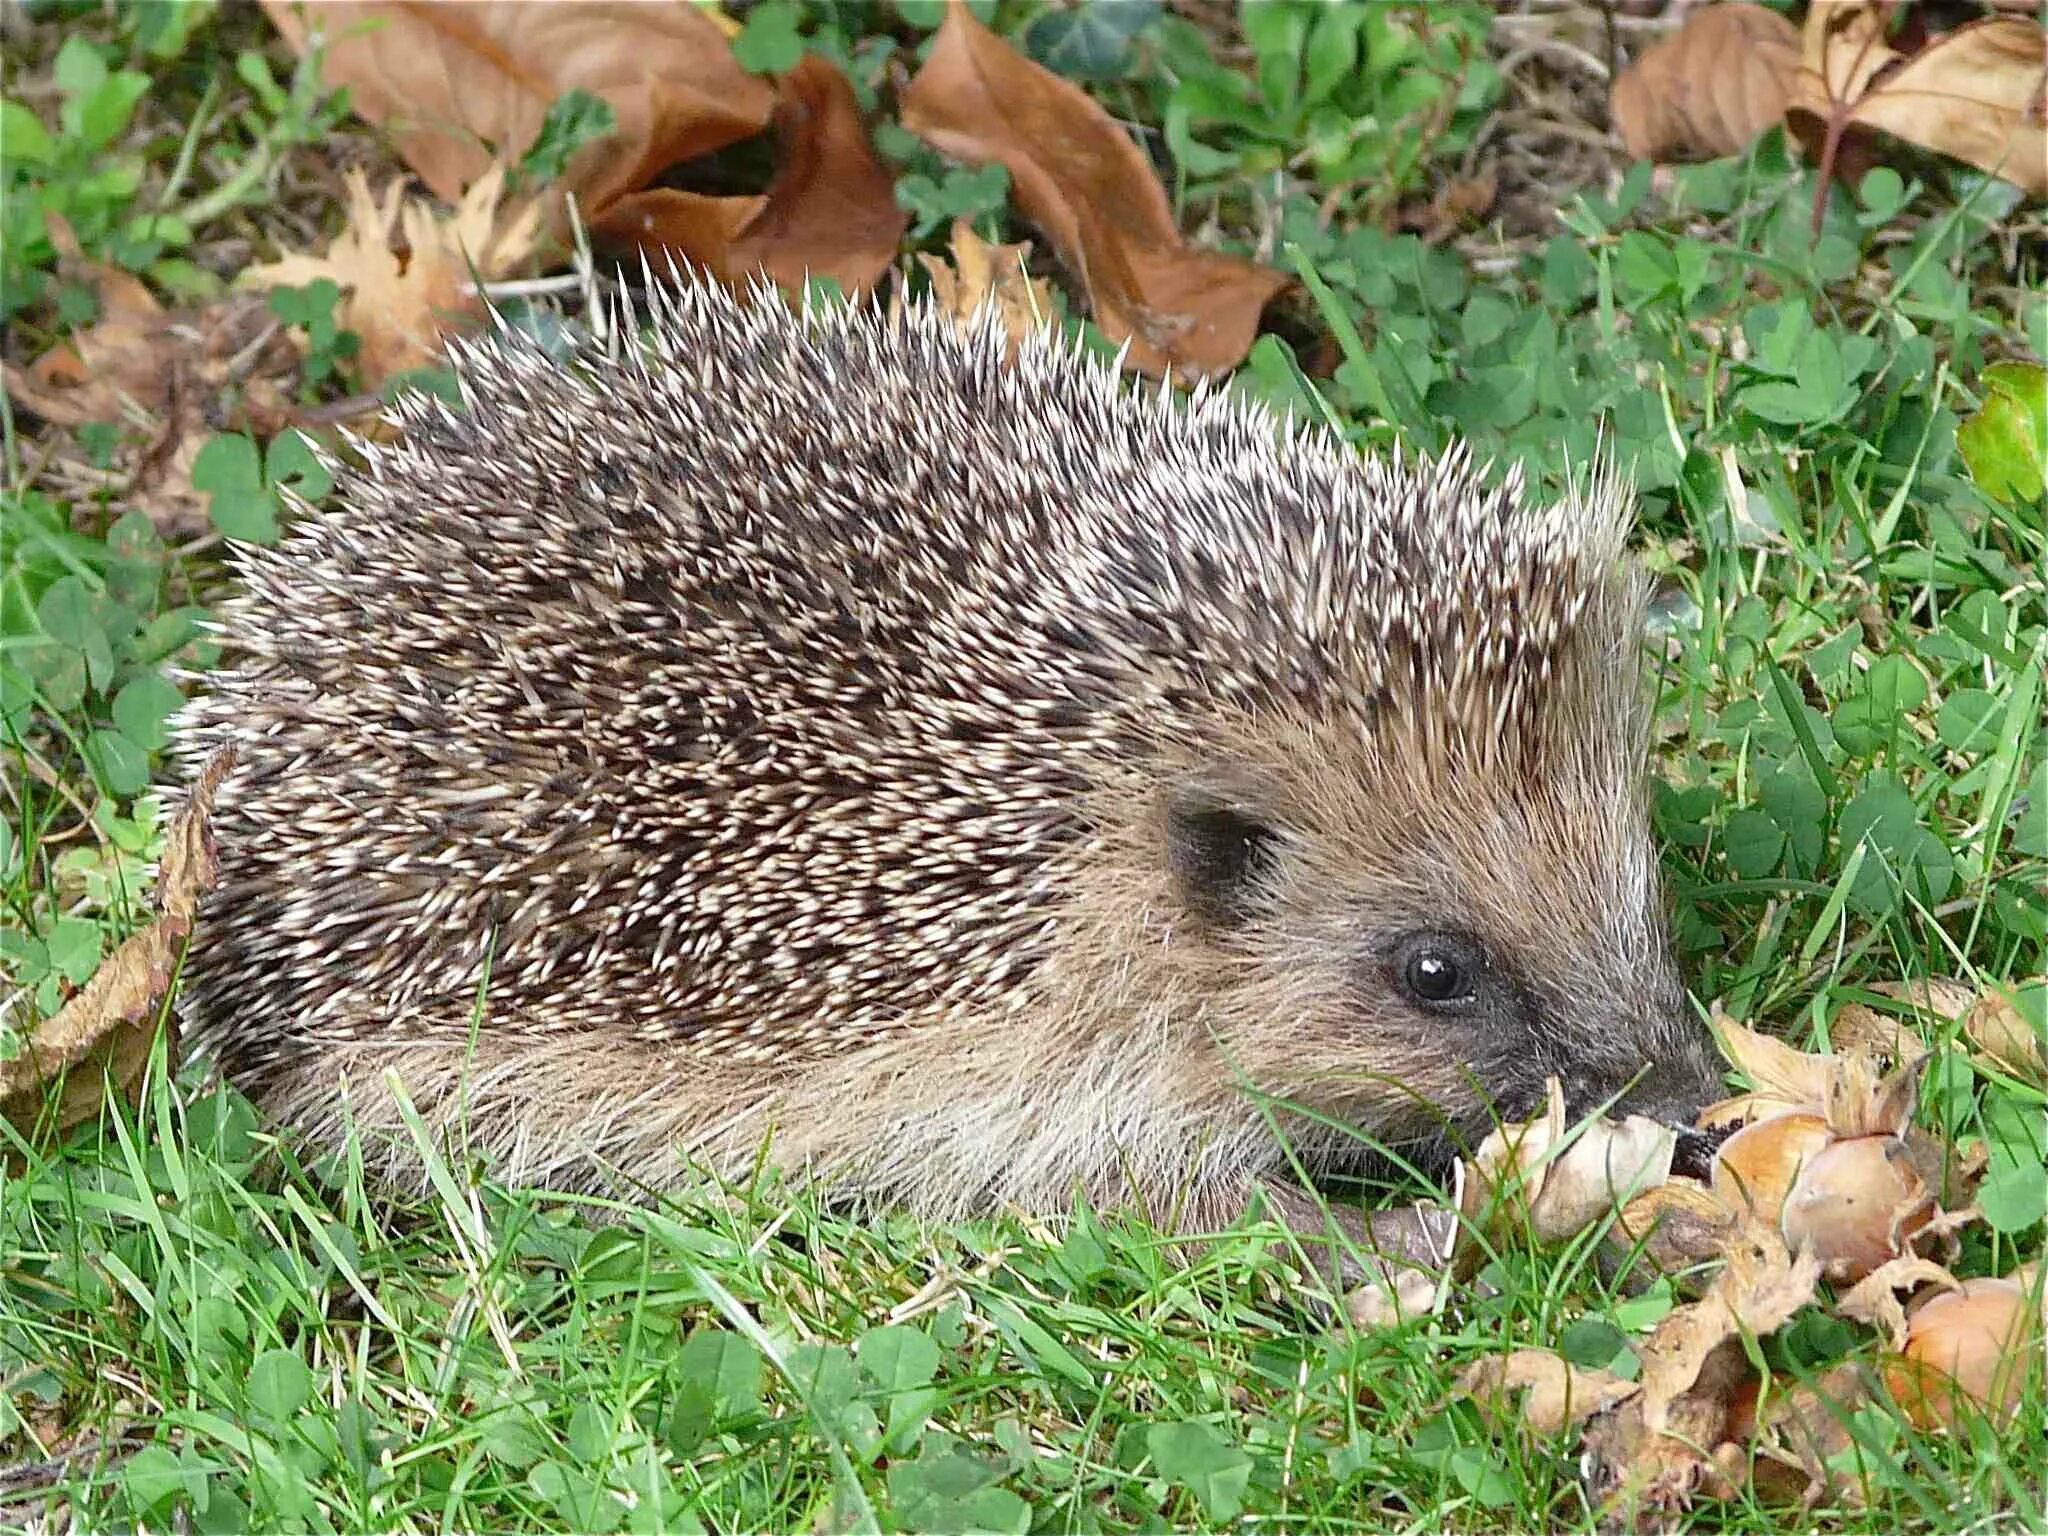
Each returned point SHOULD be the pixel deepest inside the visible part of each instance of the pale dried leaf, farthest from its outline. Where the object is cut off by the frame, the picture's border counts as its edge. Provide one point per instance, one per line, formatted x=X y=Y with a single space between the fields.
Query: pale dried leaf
x=1555 y=1393
x=1874 y=1299
x=1864 y=1100
x=410 y=274
x=1806 y=1429
x=1608 y=1164
x=982 y=275
x=1995 y=1025
x=1710 y=87
x=1399 y=1296
x=1799 y=1079
x=1761 y=1285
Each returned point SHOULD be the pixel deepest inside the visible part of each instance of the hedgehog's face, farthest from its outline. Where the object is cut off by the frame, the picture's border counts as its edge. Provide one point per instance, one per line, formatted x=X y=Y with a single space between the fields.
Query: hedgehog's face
x=1415 y=953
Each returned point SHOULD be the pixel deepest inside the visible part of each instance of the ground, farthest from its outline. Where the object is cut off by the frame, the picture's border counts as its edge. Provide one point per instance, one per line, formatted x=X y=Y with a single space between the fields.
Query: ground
x=199 y=1330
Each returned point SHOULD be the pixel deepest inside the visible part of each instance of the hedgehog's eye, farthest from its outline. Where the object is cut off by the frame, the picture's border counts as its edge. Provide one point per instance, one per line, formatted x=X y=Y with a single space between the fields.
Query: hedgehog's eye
x=1440 y=970
x=1221 y=856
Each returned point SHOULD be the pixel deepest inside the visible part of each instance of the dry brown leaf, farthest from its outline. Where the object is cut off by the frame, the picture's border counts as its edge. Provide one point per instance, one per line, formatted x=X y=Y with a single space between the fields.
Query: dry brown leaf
x=1556 y=1393
x=465 y=84
x=175 y=377
x=409 y=273
x=1679 y=1225
x=1859 y=1027
x=1761 y=1286
x=830 y=212
x=982 y=274
x=1646 y=1473
x=1804 y=1429
x=1077 y=176
x=104 y=1032
x=1995 y=1026
x=1864 y=1100
x=1875 y=1298
x=1709 y=88
x=1782 y=1078
x=1978 y=94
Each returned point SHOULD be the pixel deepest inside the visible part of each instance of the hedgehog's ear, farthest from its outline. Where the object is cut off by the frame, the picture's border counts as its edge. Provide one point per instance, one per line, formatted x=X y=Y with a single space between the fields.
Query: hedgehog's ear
x=1221 y=853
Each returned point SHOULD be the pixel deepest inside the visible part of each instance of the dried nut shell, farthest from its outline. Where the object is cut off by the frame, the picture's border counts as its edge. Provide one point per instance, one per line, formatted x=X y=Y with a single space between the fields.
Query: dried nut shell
x=1975 y=1342
x=1760 y=1163
x=1856 y=1202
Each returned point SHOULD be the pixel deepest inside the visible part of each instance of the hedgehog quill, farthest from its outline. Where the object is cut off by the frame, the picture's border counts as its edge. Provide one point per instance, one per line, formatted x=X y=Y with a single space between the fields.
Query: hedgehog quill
x=975 y=780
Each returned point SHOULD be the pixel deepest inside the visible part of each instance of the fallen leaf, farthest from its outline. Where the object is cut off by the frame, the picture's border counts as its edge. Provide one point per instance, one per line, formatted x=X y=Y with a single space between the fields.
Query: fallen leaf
x=103 y=1034
x=1761 y=1285
x=174 y=377
x=1805 y=1428
x=1400 y=1296
x=1532 y=1172
x=1996 y=1026
x=1555 y=1393
x=1875 y=1298
x=411 y=275
x=1678 y=1226
x=984 y=275
x=1710 y=87
x=1978 y=94
x=1858 y=1026
x=465 y=84
x=830 y=212
x=1077 y=176
x=1644 y=1473
x=1864 y=1100
x=1782 y=1078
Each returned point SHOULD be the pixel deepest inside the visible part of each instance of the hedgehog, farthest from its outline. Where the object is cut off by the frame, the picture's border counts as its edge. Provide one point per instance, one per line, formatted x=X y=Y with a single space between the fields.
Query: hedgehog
x=856 y=743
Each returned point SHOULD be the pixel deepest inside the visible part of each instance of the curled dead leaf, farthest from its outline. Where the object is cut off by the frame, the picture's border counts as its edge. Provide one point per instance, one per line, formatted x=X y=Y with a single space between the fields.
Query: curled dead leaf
x=1759 y=1289
x=104 y=1033
x=1555 y=1394
x=1077 y=176
x=830 y=211
x=1996 y=1026
x=1561 y=1179
x=1709 y=88
x=1805 y=1429
x=1399 y=1296
x=1782 y=1077
x=1875 y=1298
x=1864 y=1100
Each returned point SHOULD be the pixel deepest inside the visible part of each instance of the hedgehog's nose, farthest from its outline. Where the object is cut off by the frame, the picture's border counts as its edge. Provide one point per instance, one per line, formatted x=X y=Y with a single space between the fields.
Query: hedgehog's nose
x=1673 y=1087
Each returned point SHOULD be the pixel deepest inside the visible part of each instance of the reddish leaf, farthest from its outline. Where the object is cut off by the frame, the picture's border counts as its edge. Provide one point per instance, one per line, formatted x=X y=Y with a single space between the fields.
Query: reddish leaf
x=1079 y=177
x=830 y=212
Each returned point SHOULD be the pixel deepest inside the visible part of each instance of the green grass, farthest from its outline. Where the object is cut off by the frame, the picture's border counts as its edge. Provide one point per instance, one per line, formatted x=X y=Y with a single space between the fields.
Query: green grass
x=1853 y=788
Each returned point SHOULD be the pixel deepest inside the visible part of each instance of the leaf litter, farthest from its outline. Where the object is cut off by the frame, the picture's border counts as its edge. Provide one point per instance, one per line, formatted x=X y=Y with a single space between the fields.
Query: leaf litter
x=1825 y=1195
